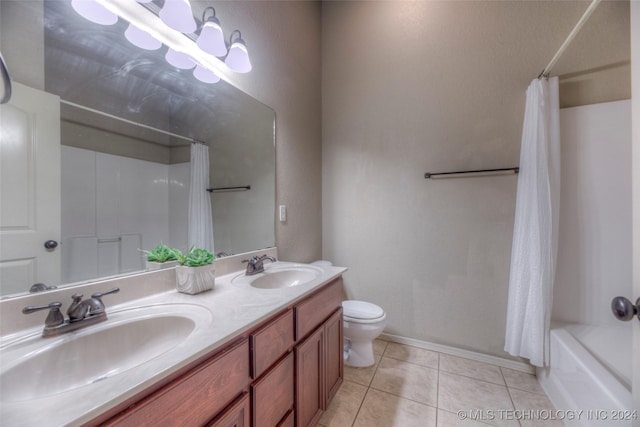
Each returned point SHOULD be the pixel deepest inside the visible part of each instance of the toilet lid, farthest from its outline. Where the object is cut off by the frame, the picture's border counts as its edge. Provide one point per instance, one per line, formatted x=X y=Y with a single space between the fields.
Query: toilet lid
x=361 y=310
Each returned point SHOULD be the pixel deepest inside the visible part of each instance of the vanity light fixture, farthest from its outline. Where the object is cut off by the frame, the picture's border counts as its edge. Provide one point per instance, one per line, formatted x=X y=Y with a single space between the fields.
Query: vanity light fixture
x=238 y=56
x=141 y=38
x=211 y=39
x=94 y=12
x=177 y=14
x=184 y=51
x=205 y=75
x=179 y=59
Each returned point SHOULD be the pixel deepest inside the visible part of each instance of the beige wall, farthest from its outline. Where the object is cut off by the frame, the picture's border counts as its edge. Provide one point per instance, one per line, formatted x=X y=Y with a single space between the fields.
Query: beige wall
x=412 y=87
x=283 y=39
x=25 y=60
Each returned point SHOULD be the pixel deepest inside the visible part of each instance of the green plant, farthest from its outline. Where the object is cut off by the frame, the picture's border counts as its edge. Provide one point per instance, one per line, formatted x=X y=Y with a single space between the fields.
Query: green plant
x=161 y=253
x=194 y=257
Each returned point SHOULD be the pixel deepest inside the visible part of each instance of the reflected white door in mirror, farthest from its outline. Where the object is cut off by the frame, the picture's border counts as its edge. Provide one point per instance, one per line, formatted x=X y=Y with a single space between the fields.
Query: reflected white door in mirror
x=30 y=192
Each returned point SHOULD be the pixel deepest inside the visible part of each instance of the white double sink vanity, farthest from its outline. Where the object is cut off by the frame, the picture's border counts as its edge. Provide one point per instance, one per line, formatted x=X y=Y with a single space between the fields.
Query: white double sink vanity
x=260 y=350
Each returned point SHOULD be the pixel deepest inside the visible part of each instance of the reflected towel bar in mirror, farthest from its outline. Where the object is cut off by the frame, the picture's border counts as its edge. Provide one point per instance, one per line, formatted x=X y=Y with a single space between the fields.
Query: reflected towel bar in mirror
x=429 y=175
x=221 y=189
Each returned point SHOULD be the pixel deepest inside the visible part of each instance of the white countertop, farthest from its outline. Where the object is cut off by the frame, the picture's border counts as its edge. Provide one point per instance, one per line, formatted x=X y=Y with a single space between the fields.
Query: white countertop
x=235 y=308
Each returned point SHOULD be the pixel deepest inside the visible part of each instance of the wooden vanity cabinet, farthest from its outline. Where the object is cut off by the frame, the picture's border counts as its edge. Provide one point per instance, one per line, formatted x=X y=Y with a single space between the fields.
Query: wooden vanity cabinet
x=282 y=374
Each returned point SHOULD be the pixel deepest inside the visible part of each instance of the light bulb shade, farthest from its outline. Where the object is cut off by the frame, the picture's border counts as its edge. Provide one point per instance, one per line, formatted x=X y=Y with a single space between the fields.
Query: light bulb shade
x=179 y=59
x=141 y=38
x=205 y=75
x=177 y=15
x=238 y=57
x=94 y=12
x=211 y=39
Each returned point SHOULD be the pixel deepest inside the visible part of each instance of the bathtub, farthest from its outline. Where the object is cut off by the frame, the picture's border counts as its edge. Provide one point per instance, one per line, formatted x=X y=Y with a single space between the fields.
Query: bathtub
x=589 y=372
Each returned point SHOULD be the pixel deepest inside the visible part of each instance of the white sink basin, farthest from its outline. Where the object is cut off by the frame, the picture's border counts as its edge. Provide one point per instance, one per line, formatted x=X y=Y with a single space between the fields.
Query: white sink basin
x=38 y=367
x=280 y=276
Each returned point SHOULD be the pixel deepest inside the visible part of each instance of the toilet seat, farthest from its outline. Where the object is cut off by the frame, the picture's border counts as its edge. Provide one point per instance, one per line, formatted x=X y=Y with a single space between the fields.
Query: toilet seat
x=362 y=312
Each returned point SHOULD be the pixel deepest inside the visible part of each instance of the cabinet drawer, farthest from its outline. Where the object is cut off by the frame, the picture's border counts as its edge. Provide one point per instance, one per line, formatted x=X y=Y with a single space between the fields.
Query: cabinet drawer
x=289 y=420
x=273 y=394
x=196 y=397
x=313 y=311
x=236 y=416
x=270 y=343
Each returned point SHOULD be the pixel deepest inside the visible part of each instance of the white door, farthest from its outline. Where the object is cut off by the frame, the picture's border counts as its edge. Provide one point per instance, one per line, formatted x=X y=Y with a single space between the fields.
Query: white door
x=635 y=165
x=29 y=190
x=635 y=168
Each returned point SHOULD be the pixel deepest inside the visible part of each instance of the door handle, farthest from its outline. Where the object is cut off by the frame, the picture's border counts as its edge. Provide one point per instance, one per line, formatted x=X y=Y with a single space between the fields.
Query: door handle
x=625 y=310
x=50 y=244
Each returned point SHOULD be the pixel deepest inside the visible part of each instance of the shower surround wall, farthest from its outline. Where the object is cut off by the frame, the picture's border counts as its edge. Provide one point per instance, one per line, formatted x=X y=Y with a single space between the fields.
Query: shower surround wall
x=442 y=88
x=124 y=206
x=594 y=249
x=591 y=359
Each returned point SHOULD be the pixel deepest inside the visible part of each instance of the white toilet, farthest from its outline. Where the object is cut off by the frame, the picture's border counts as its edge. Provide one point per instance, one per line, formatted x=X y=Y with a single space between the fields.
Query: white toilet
x=363 y=322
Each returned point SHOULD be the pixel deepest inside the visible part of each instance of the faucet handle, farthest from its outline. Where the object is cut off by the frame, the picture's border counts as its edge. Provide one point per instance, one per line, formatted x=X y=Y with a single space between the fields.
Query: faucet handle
x=101 y=294
x=99 y=306
x=54 y=318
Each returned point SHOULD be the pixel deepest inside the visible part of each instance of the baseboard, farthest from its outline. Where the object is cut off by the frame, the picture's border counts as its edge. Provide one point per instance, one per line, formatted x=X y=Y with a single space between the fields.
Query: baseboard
x=467 y=354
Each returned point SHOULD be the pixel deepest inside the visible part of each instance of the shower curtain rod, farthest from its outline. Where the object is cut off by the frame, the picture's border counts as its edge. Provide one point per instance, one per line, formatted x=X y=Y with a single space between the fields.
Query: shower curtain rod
x=572 y=34
x=130 y=122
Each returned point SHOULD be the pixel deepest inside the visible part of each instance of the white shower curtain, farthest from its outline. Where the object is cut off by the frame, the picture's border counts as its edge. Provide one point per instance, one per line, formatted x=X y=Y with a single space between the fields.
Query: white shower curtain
x=535 y=232
x=200 y=218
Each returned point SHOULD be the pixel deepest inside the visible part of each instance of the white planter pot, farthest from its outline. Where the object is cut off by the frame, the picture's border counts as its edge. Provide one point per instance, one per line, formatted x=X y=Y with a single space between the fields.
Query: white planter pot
x=193 y=280
x=152 y=266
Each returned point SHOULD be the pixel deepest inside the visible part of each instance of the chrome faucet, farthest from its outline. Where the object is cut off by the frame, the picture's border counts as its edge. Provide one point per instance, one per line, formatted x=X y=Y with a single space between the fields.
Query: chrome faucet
x=81 y=313
x=255 y=264
x=40 y=287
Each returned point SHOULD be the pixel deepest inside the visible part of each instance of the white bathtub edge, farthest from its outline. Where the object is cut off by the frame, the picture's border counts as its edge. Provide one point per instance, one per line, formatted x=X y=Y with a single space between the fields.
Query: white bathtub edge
x=586 y=385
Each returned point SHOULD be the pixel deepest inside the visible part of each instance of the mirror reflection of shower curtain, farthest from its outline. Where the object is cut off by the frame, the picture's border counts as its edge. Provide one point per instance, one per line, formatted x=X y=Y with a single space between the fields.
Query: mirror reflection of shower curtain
x=200 y=217
x=535 y=231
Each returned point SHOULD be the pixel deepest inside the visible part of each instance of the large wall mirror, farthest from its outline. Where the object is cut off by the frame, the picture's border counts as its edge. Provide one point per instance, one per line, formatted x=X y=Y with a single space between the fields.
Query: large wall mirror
x=126 y=120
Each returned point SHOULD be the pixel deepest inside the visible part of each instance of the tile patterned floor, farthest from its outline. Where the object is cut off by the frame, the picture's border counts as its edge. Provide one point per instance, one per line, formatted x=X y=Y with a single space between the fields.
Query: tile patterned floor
x=410 y=386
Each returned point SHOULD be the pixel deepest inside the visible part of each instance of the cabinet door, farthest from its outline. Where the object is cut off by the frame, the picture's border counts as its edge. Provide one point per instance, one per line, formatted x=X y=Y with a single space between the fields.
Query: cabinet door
x=334 y=358
x=273 y=394
x=236 y=416
x=309 y=379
